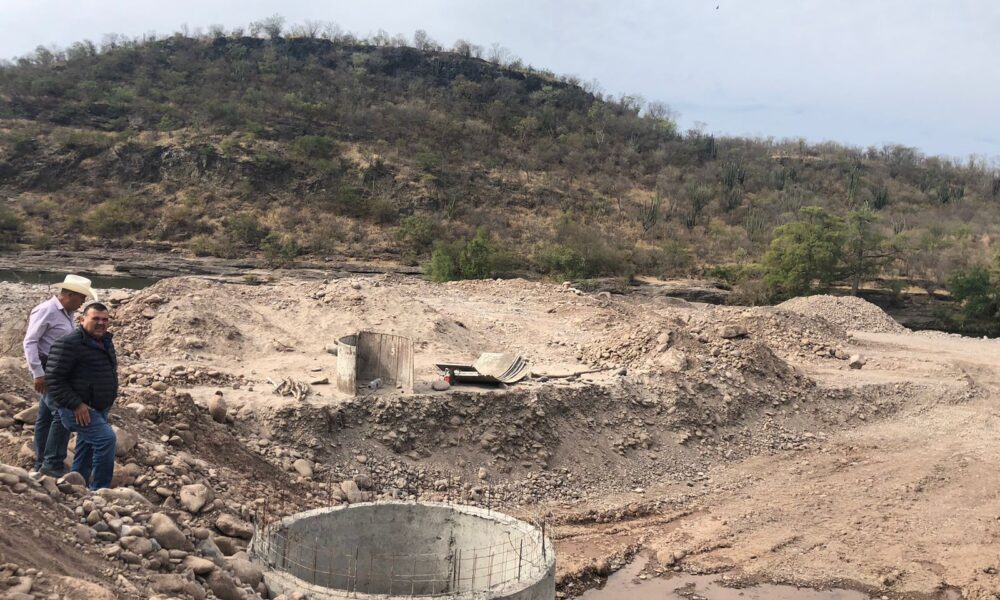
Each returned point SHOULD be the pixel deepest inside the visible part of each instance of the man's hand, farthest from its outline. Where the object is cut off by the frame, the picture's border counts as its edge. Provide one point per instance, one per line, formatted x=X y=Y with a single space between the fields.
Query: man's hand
x=40 y=385
x=82 y=415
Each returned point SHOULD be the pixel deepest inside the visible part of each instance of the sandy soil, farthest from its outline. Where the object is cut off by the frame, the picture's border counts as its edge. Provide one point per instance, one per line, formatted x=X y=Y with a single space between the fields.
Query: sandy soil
x=758 y=453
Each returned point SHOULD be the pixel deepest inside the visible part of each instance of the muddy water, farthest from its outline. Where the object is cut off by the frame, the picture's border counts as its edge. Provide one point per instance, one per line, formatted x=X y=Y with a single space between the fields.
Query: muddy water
x=626 y=585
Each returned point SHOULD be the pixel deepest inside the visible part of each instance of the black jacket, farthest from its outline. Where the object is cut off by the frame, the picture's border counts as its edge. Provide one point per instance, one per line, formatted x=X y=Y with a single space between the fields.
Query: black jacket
x=81 y=369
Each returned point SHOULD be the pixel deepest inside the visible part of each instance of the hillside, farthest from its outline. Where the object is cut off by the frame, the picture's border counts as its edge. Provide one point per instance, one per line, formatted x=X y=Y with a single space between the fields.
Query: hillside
x=228 y=144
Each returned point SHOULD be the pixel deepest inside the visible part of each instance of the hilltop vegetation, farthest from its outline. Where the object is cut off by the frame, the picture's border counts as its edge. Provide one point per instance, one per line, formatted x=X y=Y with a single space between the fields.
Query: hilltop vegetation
x=313 y=141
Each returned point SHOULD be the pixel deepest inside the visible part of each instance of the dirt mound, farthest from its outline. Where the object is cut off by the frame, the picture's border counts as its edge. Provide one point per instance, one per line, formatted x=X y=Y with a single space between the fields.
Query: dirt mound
x=849 y=312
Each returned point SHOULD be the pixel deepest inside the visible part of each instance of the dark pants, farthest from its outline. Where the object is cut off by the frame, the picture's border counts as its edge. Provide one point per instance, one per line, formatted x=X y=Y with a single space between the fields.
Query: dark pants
x=94 y=457
x=51 y=438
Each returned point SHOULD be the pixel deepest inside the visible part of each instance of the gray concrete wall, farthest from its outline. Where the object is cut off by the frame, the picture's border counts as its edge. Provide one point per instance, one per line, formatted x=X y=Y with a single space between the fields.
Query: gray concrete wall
x=386 y=549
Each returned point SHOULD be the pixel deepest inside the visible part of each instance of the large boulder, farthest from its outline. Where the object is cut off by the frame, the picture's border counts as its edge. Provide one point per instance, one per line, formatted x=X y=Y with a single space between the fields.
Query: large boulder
x=229 y=545
x=234 y=527
x=139 y=545
x=163 y=529
x=248 y=573
x=27 y=415
x=175 y=585
x=223 y=586
x=126 y=441
x=353 y=493
x=71 y=588
x=198 y=566
x=217 y=408
x=122 y=495
x=194 y=497
x=303 y=467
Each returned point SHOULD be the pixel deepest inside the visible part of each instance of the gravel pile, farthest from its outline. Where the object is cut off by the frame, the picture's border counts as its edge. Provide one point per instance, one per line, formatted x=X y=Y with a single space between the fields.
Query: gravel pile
x=849 y=312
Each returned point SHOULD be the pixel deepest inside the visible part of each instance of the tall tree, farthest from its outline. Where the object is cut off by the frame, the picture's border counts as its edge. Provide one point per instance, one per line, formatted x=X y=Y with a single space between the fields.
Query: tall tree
x=804 y=252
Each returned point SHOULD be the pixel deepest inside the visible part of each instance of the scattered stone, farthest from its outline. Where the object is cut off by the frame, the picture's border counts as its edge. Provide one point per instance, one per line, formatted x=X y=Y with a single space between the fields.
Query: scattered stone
x=27 y=415
x=730 y=332
x=303 y=467
x=72 y=478
x=175 y=585
x=122 y=495
x=353 y=493
x=247 y=572
x=217 y=408
x=234 y=527
x=126 y=441
x=228 y=546
x=856 y=361
x=223 y=586
x=163 y=529
x=440 y=385
x=199 y=566
x=194 y=497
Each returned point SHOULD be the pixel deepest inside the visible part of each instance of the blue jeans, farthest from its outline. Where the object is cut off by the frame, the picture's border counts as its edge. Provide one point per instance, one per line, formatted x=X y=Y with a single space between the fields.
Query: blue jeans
x=51 y=438
x=94 y=457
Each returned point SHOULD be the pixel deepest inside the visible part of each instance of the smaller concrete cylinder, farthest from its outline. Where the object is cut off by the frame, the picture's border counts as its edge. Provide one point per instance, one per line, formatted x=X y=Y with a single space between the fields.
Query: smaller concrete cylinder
x=347 y=364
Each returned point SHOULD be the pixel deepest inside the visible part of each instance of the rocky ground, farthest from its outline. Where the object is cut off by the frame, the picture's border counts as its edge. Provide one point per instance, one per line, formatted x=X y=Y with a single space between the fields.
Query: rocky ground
x=816 y=442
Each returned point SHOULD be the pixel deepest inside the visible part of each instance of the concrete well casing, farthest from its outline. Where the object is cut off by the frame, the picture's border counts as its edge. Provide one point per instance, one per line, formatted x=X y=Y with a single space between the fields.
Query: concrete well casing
x=383 y=550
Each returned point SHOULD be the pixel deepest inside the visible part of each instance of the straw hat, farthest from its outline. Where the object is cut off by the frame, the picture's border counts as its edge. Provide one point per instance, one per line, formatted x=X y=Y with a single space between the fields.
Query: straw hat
x=80 y=285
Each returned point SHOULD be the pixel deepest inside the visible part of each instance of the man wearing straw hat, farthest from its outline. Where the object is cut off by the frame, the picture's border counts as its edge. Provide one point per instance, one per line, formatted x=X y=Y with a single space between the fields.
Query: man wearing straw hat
x=48 y=322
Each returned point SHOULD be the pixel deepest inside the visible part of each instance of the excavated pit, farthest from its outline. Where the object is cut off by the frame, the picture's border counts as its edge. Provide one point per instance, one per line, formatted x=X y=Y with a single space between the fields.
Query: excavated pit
x=406 y=549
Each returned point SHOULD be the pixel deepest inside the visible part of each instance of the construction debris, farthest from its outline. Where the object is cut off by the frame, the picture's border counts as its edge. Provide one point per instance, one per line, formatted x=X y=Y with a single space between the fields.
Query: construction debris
x=289 y=387
x=490 y=367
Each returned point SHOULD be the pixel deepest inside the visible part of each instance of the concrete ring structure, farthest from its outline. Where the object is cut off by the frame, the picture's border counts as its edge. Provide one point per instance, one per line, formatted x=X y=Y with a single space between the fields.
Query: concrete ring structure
x=382 y=550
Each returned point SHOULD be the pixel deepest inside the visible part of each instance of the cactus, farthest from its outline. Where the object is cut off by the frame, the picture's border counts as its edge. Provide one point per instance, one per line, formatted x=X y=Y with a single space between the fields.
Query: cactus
x=731 y=199
x=755 y=223
x=778 y=178
x=649 y=214
x=733 y=174
x=947 y=192
x=853 y=181
x=880 y=197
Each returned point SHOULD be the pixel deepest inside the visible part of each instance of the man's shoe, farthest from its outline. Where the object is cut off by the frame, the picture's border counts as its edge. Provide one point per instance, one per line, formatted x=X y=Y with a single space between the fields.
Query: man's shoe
x=53 y=473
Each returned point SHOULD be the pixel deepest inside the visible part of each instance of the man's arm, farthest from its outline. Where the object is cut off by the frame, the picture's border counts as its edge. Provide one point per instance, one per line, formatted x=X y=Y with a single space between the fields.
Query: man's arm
x=58 y=369
x=36 y=329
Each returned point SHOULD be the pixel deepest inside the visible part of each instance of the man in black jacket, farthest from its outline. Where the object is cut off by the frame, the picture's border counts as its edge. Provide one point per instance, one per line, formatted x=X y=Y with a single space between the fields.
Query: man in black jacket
x=82 y=377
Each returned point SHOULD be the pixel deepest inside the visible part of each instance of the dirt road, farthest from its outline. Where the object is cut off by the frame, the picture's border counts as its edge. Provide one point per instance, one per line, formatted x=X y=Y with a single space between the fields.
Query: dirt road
x=906 y=505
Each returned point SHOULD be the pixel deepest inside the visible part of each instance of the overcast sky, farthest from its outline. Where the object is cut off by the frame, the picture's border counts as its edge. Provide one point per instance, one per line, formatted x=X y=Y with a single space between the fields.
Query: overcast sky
x=923 y=73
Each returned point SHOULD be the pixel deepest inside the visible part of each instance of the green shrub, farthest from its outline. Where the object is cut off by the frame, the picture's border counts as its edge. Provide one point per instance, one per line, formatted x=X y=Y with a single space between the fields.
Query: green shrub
x=11 y=227
x=314 y=146
x=803 y=252
x=444 y=265
x=208 y=245
x=246 y=229
x=116 y=217
x=476 y=258
x=279 y=250
x=978 y=291
x=581 y=252
x=560 y=260
x=417 y=233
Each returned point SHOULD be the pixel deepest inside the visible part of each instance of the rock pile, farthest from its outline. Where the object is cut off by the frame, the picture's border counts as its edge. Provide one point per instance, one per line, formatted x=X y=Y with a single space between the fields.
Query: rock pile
x=849 y=312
